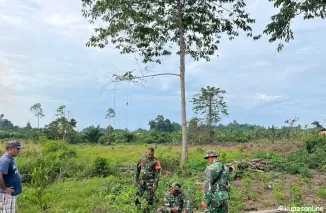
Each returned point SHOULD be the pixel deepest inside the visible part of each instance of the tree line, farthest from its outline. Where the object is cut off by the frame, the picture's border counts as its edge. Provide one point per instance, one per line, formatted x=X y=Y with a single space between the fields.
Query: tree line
x=161 y=130
x=209 y=108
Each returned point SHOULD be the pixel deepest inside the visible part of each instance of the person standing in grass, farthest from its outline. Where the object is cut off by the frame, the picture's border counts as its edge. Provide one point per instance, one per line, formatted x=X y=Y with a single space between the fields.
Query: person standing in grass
x=175 y=201
x=10 y=179
x=216 y=185
x=147 y=177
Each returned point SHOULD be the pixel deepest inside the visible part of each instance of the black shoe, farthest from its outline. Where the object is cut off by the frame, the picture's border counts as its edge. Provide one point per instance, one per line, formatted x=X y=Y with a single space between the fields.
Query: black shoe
x=138 y=204
x=146 y=210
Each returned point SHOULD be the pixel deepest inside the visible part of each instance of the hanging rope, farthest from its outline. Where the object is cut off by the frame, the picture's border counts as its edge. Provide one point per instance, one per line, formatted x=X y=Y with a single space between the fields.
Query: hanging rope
x=126 y=114
x=115 y=89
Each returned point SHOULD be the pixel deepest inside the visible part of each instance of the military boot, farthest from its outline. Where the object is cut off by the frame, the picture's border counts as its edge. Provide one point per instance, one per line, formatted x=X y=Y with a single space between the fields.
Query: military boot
x=146 y=210
x=137 y=203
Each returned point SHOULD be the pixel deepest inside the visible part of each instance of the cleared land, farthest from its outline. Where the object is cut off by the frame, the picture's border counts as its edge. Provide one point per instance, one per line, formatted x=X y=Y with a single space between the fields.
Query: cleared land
x=76 y=186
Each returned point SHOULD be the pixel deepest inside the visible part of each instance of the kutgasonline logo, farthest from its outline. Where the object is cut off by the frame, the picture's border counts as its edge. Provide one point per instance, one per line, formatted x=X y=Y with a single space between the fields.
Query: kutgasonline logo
x=300 y=209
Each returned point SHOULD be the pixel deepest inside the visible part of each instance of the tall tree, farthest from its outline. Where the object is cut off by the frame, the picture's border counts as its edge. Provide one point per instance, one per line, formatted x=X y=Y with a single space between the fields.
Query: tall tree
x=28 y=126
x=110 y=114
x=1 y=119
x=151 y=28
x=317 y=124
x=162 y=125
x=93 y=134
x=37 y=110
x=63 y=123
x=210 y=103
x=291 y=122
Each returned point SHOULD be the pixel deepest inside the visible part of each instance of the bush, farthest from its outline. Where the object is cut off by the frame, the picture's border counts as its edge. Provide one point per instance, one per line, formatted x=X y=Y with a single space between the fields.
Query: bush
x=311 y=144
x=241 y=140
x=169 y=162
x=107 y=139
x=42 y=140
x=100 y=167
x=53 y=146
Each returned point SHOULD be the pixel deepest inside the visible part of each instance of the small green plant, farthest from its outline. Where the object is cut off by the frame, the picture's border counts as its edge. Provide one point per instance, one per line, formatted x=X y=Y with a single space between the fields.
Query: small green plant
x=296 y=194
x=279 y=194
x=265 y=178
x=101 y=167
x=247 y=189
x=321 y=193
x=39 y=183
x=236 y=204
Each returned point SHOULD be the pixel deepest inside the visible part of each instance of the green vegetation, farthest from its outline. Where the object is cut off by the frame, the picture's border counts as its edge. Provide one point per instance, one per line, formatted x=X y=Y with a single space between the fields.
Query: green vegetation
x=61 y=177
x=161 y=131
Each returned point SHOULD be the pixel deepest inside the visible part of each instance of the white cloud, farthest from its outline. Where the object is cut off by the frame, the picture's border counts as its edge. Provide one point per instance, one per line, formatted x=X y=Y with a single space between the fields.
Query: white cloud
x=62 y=19
x=267 y=98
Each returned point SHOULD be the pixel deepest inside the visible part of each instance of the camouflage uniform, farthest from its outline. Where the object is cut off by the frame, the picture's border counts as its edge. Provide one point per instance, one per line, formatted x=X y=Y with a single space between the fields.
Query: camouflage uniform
x=147 y=177
x=216 y=186
x=180 y=201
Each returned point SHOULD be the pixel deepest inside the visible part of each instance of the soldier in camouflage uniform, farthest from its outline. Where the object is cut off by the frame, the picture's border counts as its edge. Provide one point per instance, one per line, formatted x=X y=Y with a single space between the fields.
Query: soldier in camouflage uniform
x=147 y=177
x=175 y=201
x=216 y=185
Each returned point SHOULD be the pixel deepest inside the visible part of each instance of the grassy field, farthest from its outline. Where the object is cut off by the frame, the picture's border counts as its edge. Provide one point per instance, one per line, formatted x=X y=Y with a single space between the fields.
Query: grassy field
x=94 y=178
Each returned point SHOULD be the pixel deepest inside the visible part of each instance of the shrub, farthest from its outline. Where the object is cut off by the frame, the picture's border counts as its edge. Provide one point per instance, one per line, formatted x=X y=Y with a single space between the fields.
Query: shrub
x=39 y=183
x=107 y=139
x=241 y=140
x=53 y=146
x=42 y=140
x=100 y=167
x=311 y=144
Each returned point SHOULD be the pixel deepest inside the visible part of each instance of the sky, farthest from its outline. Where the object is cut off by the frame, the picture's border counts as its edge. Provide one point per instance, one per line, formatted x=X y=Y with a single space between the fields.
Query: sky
x=44 y=59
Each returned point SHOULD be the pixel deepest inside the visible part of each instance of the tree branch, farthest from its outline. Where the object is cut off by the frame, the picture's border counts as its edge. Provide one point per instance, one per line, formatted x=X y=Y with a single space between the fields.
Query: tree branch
x=146 y=76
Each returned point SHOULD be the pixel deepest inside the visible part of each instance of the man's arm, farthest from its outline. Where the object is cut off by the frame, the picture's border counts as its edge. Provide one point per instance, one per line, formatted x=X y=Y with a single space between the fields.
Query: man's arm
x=208 y=179
x=4 y=166
x=187 y=205
x=138 y=168
x=157 y=173
x=166 y=201
x=2 y=183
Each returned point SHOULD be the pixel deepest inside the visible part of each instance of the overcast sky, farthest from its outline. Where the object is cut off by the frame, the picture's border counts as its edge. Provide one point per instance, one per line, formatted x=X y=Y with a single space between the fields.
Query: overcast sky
x=43 y=58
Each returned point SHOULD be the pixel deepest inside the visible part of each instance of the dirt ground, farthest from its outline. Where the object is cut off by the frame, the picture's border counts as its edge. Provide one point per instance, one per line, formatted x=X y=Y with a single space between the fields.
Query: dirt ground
x=267 y=199
x=279 y=146
x=266 y=195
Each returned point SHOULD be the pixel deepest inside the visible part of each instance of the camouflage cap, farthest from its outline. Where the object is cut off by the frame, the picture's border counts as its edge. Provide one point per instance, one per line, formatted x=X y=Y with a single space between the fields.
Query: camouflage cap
x=176 y=186
x=210 y=153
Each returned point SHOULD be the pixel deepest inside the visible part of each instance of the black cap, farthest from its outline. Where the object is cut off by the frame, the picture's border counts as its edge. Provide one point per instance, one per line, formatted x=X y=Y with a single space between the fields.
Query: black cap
x=14 y=144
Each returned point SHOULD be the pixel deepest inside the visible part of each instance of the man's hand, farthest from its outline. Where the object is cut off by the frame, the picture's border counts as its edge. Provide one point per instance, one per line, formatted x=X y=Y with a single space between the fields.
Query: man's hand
x=174 y=210
x=203 y=204
x=9 y=190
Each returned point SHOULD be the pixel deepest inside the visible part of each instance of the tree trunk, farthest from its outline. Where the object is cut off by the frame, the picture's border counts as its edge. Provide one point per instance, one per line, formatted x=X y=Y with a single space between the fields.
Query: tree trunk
x=38 y=121
x=182 y=44
x=210 y=120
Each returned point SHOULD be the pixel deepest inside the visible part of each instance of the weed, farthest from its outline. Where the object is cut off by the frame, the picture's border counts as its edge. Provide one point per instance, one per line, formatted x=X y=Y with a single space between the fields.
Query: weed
x=296 y=194
x=279 y=194
x=321 y=193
